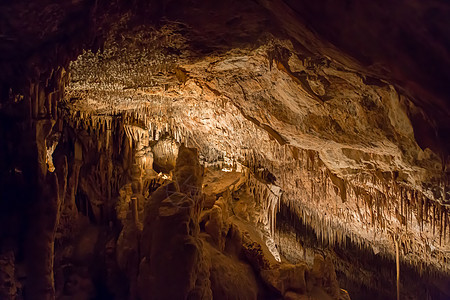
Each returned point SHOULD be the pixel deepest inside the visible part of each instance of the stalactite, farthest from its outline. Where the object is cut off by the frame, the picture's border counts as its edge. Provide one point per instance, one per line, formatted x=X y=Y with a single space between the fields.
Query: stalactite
x=445 y=223
x=441 y=212
x=302 y=176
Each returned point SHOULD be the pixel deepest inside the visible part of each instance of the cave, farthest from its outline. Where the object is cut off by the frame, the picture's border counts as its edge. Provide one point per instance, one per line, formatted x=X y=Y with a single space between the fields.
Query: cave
x=251 y=149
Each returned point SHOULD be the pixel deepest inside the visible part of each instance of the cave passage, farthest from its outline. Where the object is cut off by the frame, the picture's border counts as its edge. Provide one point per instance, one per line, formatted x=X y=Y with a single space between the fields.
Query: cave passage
x=234 y=150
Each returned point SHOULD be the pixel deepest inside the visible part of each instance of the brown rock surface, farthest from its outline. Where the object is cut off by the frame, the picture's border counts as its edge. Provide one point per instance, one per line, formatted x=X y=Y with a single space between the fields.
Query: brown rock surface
x=230 y=278
x=337 y=114
x=8 y=289
x=174 y=264
x=357 y=137
x=286 y=277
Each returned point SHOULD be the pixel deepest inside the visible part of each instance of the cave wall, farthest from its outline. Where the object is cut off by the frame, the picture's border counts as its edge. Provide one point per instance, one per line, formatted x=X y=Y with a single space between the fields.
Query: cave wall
x=30 y=197
x=245 y=79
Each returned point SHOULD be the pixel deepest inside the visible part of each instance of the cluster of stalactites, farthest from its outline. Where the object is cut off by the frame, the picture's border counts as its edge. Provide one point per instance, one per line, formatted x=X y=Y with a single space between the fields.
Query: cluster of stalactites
x=365 y=201
x=377 y=195
x=43 y=97
x=107 y=138
x=268 y=197
x=99 y=127
x=367 y=210
x=147 y=122
x=327 y=232
x=411 y=207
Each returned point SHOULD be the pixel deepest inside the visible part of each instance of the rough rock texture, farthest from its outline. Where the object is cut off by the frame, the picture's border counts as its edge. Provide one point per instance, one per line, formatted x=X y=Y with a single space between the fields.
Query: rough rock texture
x=176 y=259
x=362 y=141
x=286 y=278
x=337 y=112
x=231 y=279
x=382 y=40
x=8 y=289
x=173 y=265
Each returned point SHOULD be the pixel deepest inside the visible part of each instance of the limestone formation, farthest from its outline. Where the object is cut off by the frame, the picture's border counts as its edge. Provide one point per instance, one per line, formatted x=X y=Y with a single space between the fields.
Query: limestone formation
x=8 y=289
x=229 y=150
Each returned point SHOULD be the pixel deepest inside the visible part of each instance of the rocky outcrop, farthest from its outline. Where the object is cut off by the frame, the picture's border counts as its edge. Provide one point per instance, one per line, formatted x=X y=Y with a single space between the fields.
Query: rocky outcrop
x=231 y=278
x=28 y=182
x=312 y=118
x=8 y=289
x=173 y=263
x=346 y=132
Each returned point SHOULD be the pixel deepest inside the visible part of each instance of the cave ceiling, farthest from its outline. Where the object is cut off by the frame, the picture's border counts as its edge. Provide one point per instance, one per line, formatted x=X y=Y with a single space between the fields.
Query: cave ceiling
x=361 y=90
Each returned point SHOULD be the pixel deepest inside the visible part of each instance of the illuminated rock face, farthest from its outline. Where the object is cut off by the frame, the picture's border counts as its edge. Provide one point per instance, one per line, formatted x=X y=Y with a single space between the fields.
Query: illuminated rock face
x=341 y=137
x=332 y=142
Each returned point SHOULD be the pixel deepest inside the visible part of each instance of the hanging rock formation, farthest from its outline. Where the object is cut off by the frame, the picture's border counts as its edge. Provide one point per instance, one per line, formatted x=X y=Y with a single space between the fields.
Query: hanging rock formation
x=233 y=150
